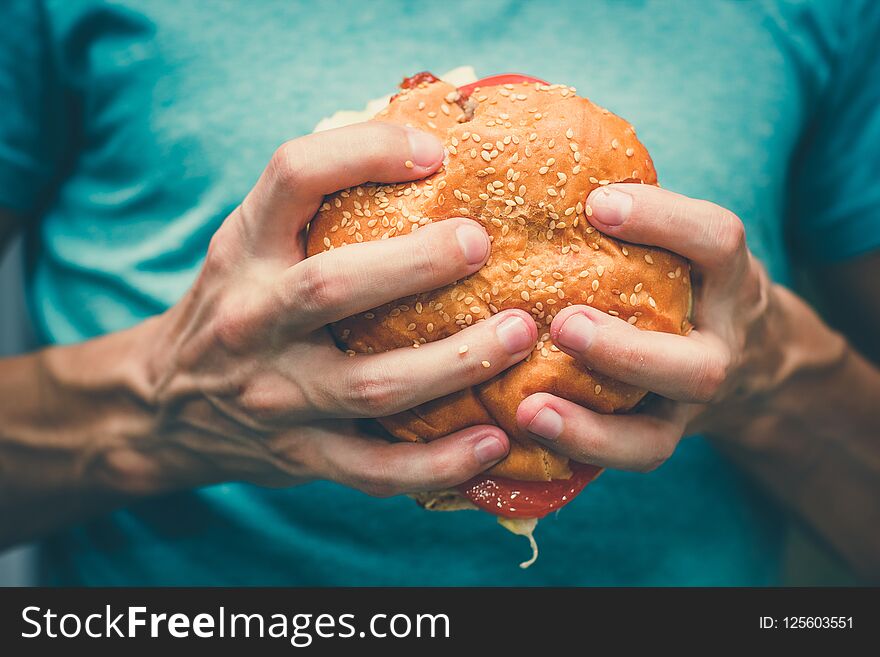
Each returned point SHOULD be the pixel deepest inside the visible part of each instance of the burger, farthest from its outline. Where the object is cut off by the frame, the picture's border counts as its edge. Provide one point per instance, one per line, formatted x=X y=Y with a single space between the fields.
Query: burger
x=522 y=156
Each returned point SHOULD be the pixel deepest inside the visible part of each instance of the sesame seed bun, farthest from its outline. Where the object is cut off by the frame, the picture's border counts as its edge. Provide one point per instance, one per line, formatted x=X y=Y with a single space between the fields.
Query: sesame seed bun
x=522 y=159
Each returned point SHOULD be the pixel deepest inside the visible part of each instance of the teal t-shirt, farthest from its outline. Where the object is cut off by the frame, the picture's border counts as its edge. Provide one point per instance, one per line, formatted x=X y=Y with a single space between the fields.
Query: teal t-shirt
x=129 y=130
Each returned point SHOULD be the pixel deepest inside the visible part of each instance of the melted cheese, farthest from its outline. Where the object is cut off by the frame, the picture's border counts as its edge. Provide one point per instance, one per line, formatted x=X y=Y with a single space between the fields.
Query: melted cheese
x=523 y=527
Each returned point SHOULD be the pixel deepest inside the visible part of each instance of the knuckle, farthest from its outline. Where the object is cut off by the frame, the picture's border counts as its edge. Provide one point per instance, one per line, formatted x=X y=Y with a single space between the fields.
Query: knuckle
x=232 y=327
x=632 y=357
x=710 y=378
x=663 y=450
x=381 y=138
x=269 y=398
x=288 y=164
x=731 y=238
x=373 y=391
x=317 y=286
x=370 y=145
x=221 y=251
x=425 y=258
x=260 y=404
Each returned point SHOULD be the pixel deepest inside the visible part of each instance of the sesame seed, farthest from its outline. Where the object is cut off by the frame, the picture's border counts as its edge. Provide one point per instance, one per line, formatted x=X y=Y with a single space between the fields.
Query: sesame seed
x=597 y=389
x=649 y=259
x=486 y=364
x=463 y=349
x=569 y=133
x=408 y=164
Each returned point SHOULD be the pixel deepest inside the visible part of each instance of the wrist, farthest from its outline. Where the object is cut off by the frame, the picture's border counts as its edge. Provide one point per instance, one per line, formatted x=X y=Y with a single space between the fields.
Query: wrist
x=809 y=349
x=98 y=401
x=786 y=356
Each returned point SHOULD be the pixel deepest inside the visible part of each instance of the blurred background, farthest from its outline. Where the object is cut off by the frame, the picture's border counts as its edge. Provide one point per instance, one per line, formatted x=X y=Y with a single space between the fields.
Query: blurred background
x=16 y=566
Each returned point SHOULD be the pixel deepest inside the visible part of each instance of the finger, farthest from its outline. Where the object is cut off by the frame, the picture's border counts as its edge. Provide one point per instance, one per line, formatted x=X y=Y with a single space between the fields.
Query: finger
x=706 y=234
x=383 y=469
x=341 y=282
x=685 y=368
x=640 y=441
x=304 y=170
x=383 y=384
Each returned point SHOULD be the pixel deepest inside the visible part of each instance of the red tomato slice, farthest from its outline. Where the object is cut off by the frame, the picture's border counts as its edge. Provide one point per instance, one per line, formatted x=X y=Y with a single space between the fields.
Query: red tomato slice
x=496 y=80
x=512 y=498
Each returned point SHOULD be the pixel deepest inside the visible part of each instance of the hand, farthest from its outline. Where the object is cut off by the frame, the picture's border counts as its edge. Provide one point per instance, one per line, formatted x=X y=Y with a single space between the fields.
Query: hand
x=707 y=380
x=248 y=382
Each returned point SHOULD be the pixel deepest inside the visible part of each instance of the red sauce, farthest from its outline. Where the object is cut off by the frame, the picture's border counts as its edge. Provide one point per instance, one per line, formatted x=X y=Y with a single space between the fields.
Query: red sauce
x=527 y=499
x=414 y=81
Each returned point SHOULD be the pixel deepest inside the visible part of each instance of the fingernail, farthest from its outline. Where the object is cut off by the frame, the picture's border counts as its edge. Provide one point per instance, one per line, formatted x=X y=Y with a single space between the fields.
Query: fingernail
x=474 y=243
x=489 y=449
x=547 y=423
x=514 y=335
x=576 y=333
x=610 y=206
x=425 y=149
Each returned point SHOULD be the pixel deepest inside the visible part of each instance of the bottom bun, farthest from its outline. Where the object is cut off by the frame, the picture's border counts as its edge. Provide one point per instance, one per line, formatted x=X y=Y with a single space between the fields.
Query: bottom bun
x=496 y=402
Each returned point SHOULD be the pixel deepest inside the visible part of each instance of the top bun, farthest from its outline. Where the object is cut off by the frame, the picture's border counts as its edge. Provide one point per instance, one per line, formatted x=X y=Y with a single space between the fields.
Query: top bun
x=522 y=159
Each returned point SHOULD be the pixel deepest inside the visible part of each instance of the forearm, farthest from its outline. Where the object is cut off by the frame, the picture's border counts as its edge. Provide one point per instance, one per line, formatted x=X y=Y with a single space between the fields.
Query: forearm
x=78 y=434
x=814 y=438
